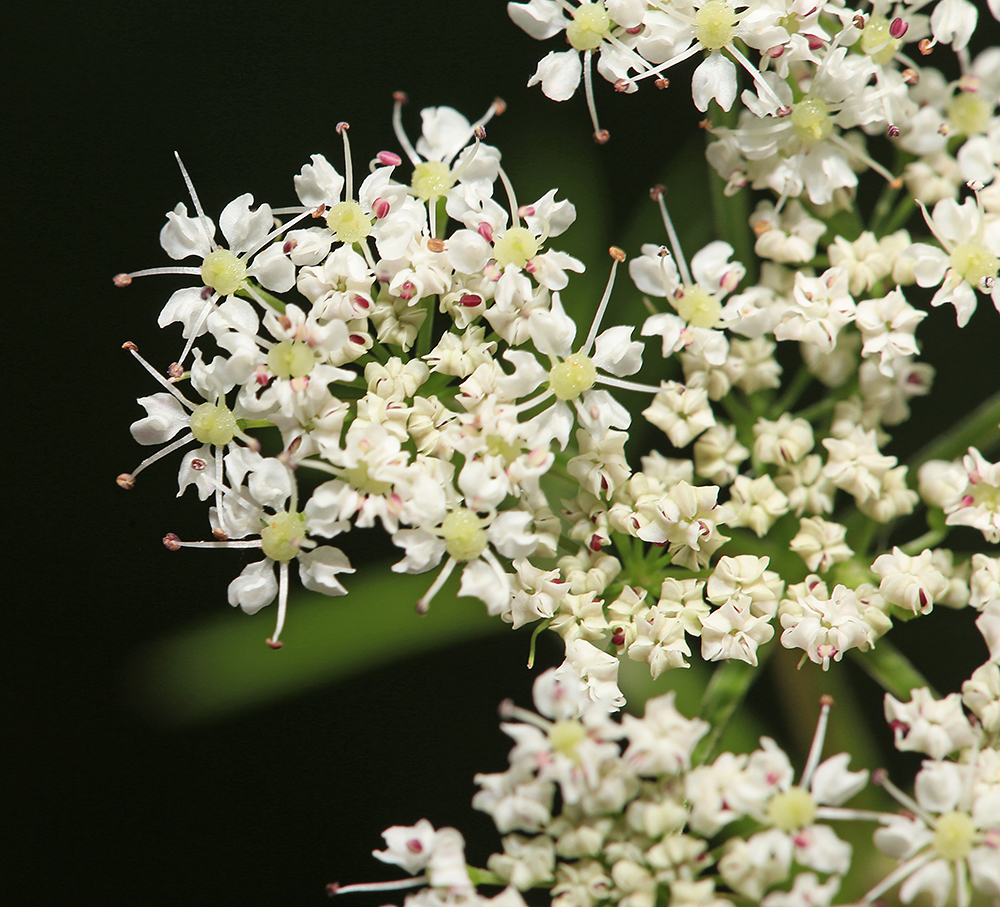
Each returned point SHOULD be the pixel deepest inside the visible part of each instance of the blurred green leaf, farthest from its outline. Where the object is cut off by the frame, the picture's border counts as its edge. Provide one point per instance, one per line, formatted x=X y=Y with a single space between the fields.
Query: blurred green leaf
x=222 y=666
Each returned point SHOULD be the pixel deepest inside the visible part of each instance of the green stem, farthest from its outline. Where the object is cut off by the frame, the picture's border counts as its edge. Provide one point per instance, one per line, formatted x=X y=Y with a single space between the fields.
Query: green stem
x=900 y=216
x=930 y=539
x=724 y=694
x=269 y=298
x=890 y=669
x=978 y=429
x=796 y=388
x=426 y=333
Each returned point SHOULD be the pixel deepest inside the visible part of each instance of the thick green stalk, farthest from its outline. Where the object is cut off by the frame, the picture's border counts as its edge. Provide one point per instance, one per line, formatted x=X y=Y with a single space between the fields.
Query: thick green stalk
x=725 y=693
x=890 y=669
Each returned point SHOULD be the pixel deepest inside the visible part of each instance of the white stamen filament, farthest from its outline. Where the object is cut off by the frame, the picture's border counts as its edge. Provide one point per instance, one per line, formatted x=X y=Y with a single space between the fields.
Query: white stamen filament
x=195 y=201
x=424 y=601
x=274 y=641
x=397 y=127
x=170 y=387
x=675 y=243
x=379 y=886
x=812 y=760
x=595 y=325
x=515 y=221
x=162 y=452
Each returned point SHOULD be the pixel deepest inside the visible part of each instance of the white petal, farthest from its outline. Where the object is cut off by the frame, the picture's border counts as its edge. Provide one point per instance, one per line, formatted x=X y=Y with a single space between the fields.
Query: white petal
x=255 y=587
x=714 y=78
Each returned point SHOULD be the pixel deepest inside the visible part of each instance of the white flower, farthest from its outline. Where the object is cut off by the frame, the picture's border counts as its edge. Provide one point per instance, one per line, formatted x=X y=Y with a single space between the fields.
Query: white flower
x=936 y=727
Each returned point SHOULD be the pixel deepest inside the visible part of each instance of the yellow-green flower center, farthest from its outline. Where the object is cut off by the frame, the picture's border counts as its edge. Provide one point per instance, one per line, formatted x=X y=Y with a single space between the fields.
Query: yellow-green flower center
x=969 y=113
x=213 y=424
x=811 y=119
x=698 y=307
x=463 y=534
x=283 y=536
x=223 y=272
x=431 y=179
x=974 y=262
x=358 y=477
x=291 y=359
x=589 y=26
x=715 y=24
x=791 y=809
x=954 y=833
x=571 y=377
x=565 y=736
x=516 y=247
x=877 y=41
x=348 y=222
x=501 y=447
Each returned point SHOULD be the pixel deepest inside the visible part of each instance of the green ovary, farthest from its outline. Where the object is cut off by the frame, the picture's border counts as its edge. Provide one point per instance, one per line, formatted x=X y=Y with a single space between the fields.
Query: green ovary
x=811 y=119
x=699 y=308
x=589 y=26
x=500 y=447
x=358 y=477
x=291 y=359
x=516 y=247
x=213 y=424
x=348 y=222
x=974 y=262
x=571 y=377
x=223 y=272
x=464 y=538
x=283 y=535
x=791 y=809
x=565 y=736
x=715 y=25
x=954 y=834
x=431 y=179
x=877 y=42
x=969 y=114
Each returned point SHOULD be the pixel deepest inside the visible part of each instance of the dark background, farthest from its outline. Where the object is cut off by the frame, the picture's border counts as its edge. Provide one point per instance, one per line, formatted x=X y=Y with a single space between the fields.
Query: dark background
x=265 y=806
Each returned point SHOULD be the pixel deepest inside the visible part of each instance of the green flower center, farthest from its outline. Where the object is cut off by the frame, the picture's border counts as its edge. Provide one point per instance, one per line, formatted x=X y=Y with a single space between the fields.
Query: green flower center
x=431 y=179
x=463 y=534
x=698 y=307
x=715 y=24
x=974 y=262
x=969 y=113
x=348 y=222
x=571 y=377
x=791 y=809
x=283 y=536
x=223 y=272
x=565 y=736
x=500 y=447
x=877 y=42
x=811 y=119
x=291 y=359
x=358 y=477
x=589 y=26
x=213 y=424
x=954 y=834
x=516 y=247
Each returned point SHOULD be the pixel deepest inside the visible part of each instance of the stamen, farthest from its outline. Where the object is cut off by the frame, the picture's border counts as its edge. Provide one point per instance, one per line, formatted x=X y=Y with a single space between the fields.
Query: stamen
x=127 y=479
x=894 y=181
x=399 y=99
x=758 y=79
x=600 y=135
x=812 y=760
x=273 y=641
x=511 y=198
x=335 y=888
x=134 y=350
x=276 y=232
x=617 y=256
x=425 y=600
x=123 y=280
x=342 y=129
x=658 y=192
x=171 y=541
x=195 y=201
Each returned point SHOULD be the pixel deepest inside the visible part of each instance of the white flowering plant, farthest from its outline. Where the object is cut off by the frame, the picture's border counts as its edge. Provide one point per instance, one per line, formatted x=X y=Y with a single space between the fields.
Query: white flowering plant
x=390 y=349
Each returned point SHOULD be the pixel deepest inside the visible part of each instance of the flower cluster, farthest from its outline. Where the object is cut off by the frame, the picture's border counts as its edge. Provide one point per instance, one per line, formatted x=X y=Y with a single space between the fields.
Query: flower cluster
x=395 y=353
x=597 y=811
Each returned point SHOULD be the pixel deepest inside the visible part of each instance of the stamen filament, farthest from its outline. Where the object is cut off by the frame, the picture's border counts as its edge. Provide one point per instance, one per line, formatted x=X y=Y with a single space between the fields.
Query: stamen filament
x=274 y=642
x=616 y=256
x=424 y=601
x=812 y=760
x=399 y=99
x=675 y=243
x=195 y=201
